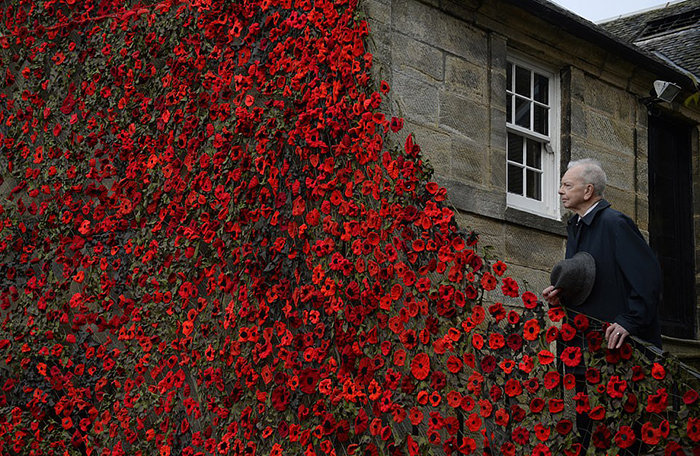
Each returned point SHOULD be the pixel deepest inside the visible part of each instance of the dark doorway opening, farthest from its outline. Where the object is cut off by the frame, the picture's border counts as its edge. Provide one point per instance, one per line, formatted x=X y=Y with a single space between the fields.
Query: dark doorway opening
x=671 y=223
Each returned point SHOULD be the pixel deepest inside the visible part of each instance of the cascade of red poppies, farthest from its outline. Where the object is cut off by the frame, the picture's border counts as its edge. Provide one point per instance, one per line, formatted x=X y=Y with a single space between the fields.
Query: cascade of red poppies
x=209 y=246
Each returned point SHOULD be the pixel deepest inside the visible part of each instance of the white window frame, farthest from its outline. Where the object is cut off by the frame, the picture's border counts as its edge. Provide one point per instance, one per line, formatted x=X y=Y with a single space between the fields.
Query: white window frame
x=549 y=206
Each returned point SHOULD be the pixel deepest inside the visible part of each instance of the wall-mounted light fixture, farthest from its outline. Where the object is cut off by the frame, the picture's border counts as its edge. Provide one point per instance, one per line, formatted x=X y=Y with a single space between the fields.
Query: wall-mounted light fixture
x=663 y=91
x=666 y=91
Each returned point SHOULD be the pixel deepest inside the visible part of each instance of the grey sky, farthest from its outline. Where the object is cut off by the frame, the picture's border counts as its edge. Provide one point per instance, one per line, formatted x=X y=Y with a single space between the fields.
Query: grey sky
x=597 y=10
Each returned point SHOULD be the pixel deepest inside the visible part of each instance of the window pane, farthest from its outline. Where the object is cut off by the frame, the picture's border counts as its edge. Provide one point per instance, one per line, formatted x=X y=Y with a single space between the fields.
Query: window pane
x=522 y=112
x=534 y=154
x=541 y=89
x=541 y=119
x=522 y=81
x=509 y=77
x=534 y=185
x=515 y=148
x=509 y=109
x=515 y=179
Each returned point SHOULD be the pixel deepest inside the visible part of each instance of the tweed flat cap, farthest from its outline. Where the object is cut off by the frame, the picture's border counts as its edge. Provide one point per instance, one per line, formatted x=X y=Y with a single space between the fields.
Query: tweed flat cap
x=575 y=277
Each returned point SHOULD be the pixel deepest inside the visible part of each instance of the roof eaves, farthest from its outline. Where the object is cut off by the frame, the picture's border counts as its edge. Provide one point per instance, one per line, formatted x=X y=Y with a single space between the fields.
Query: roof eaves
x=578 y=26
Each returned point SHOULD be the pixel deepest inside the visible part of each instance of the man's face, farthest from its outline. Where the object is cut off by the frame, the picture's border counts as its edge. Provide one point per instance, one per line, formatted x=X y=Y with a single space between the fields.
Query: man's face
x=574 y=192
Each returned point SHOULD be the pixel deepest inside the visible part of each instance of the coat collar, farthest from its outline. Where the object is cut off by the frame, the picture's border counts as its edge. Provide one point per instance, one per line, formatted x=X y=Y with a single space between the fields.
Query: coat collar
x=603 y=204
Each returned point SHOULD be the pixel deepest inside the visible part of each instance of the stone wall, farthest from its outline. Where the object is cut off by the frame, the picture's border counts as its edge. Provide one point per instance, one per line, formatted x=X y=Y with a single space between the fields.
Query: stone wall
x=445 y=62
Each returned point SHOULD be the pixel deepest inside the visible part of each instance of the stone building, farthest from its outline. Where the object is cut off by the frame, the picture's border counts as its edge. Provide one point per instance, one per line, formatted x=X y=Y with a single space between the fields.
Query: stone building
x=502 y=94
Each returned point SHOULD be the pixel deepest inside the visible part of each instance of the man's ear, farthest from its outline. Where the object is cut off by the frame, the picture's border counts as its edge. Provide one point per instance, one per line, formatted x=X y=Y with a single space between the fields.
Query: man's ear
x=588 y=192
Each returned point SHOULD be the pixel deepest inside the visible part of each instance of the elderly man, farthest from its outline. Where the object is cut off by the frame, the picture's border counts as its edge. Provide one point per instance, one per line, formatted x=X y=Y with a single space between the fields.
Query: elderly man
x=627 y=286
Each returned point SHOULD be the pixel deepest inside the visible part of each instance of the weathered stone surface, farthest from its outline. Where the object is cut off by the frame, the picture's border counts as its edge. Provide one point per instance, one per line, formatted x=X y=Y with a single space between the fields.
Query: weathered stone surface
x=490 y=232
x=610 y=133
x=643 y=215
x=410 y=54
x=435 y=146
x=466 y=79
x=579 y=125
x=469 y=160
x=531 y=248
x=533 y=280
x=463 y=9
x=377 y=10
x=438 y=29
x=610 y=100
x=642 y=185
x=464 y=116
x=497 y=163
x=619 y=169
x=415 y=99
x=622 y=201
x=476 y=200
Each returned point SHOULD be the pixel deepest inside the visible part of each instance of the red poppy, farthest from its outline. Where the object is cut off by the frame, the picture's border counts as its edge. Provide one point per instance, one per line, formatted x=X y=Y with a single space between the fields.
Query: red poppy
x=454 y=399
x=508 y=449
x=564 y=427
x=454 y=364
x=495 y=393
x=420 y=366
x=499 y=268
x=556 y=406
x=616 y=387
x=521 y=436
x=496 y=341
x=693 y=429
x=542 y=432
x=556 y=314
x=513 y=317
x=536 y=405
x=507 y=365
x=527 y=364
x=582 y=402
x=551 y=334
x=478 y=314
x=529 y=299
x=657 y=403
x=567 y=332
x=501 y=417
x=592 y=375
x=690 y=397
x=658 y=371
x=571 y=356
x=650 y=434
x=514 y=342
x=625 y=437
x=630 y=404
x=399 y=357
x=517 y=413
x=601 y=437
x=597 y=413
x=497 y=311
x=473 y=422
x=485 y=408
x=415 y=416
x=574 y=450
x=510 y=287
x=552 y=379
x=488 y=364
x=308 y=379
x=541 y=450
x=531 y=329
x=488 y=281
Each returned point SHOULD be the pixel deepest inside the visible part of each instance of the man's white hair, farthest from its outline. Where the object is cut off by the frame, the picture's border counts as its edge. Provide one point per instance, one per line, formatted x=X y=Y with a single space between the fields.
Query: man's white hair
x=592 y=173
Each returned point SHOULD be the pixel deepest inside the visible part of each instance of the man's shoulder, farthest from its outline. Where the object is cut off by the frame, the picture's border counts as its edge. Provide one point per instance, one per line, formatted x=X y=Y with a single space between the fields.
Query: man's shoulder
x=609 y=215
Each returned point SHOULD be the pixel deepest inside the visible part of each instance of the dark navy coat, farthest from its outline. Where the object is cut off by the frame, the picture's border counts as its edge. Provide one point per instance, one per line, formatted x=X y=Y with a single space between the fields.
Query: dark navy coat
x=627 y=287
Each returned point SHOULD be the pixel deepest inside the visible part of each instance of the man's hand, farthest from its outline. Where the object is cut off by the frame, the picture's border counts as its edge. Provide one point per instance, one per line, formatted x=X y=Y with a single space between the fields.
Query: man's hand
x=615 y=335
x=551 y=295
